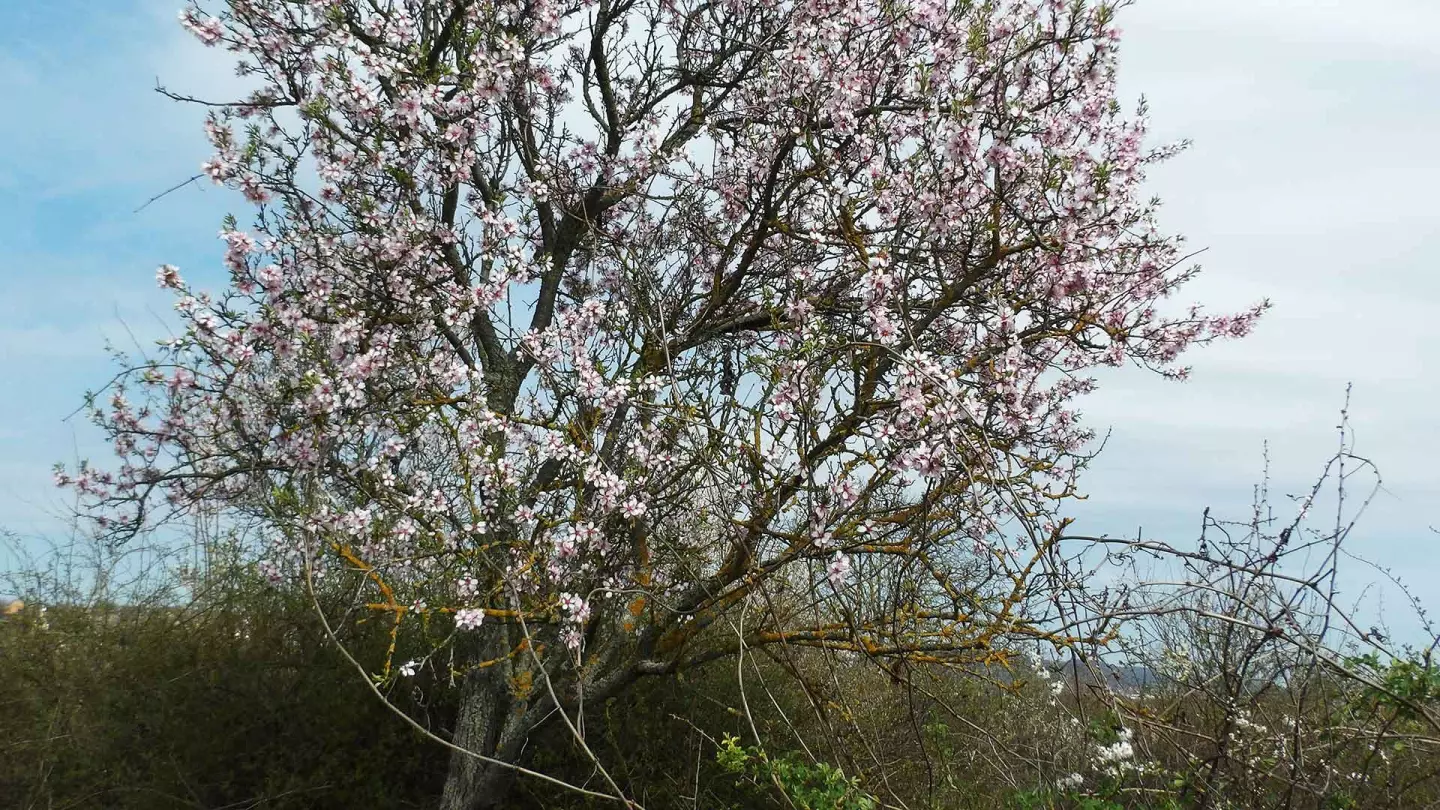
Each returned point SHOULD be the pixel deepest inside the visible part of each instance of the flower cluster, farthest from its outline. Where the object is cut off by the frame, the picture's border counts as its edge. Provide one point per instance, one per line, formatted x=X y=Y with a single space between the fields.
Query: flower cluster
x=468 y=618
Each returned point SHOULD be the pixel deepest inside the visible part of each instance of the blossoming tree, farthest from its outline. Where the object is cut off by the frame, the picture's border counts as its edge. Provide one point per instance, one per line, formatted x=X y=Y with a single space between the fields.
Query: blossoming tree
x=596 y=339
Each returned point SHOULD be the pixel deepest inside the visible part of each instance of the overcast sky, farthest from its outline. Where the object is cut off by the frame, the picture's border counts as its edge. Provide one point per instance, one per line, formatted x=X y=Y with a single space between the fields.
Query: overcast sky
x=1311 y=182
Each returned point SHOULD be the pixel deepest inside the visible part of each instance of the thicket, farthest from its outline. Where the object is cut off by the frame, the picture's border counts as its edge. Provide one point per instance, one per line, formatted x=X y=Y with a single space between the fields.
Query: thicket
x=208 y=687
x=149 y=694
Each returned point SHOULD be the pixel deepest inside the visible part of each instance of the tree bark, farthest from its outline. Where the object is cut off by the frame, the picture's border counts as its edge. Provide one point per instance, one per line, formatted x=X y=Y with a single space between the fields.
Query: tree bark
x=488 y=723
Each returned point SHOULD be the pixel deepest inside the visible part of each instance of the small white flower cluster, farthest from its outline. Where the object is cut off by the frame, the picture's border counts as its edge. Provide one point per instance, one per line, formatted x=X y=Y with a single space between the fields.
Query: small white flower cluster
x=1117 y=757
x=839 y=569
x=1243 y=721
x=576 y=612
x=1176 y=665
x=1254 y=740
x=468 y=618
x=467 y=587
x=1118 y=751
x=1044 y=675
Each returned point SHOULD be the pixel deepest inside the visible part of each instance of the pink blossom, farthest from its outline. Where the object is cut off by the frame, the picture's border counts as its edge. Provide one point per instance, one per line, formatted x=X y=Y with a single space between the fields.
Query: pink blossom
x=469 y=618
x=208 y=30
x=838 y=571
x=633 y=508
x=169 y=276
x=575 y=608
x=467 y=587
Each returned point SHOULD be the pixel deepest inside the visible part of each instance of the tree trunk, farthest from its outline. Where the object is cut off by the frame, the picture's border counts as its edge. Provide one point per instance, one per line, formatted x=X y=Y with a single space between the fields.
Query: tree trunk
x=494 y=721
x=488 y=723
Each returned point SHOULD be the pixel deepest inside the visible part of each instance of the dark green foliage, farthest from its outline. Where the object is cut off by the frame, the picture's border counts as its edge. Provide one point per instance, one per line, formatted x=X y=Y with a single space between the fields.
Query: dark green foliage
x=1401 y=684
x=806 y=785
x=240 y=704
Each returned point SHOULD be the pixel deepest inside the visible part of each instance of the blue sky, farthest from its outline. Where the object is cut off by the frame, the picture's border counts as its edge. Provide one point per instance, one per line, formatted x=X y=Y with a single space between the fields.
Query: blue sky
x=85 y=143
x=1311 y=182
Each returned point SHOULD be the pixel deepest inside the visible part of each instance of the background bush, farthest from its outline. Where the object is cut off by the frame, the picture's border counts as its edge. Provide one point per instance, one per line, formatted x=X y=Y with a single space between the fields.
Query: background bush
x=204 y=687
x=230 y=699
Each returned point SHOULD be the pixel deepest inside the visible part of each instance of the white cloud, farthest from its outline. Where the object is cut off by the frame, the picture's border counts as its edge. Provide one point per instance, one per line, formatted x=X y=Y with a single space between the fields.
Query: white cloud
x=1311 y=183
x=1347 y=29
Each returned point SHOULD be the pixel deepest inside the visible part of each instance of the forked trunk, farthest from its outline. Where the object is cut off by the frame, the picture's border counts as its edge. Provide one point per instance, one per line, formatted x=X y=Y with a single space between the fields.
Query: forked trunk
x=489 y=723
